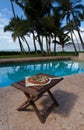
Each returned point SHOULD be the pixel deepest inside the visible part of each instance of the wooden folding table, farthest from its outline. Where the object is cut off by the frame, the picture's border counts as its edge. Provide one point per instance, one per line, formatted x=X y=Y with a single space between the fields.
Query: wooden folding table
x=33 y=93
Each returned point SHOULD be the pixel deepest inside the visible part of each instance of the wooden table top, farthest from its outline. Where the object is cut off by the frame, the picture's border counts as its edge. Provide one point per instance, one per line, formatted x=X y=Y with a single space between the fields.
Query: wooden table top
x=37 y=90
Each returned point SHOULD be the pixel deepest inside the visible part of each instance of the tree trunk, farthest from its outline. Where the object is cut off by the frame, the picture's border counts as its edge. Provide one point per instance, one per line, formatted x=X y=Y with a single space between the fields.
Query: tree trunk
x=73 y=43
x=81 y=39
x=47 y=48
x=77 y=42
x=62 y=48
x=34 y=43
x=49 y=44
x=21 y=46
x=55 y=46
x=27 y=45
x=40 y=43
x=12 y=8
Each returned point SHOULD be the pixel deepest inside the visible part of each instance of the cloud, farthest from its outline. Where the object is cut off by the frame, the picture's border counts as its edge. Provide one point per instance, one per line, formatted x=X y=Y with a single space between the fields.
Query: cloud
x=6 y=42
x=3 y=21
x=4 y=17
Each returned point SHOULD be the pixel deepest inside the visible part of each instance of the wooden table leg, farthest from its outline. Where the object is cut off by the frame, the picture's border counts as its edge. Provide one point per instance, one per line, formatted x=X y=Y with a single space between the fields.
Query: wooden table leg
x=40 y=116
x=31 y=102
x=23 y=106
x=53 y=98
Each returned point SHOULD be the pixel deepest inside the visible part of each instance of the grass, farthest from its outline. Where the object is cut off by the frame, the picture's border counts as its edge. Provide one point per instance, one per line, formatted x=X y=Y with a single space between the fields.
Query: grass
x=19 y=55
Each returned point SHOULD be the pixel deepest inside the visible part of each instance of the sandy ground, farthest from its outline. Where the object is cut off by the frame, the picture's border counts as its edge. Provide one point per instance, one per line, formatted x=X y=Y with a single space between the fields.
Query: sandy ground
x=68 y=116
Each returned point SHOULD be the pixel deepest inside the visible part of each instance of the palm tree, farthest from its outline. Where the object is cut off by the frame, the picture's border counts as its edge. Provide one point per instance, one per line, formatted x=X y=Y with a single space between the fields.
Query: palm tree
x=72 y=9
x=44 y=22
x=13 y=27
x=24 y=39
x=63 y=39
x=29 y=9
x=57 y=26
x=22 y=29
x=8 y=28
x=70 y=29
x=35 y=10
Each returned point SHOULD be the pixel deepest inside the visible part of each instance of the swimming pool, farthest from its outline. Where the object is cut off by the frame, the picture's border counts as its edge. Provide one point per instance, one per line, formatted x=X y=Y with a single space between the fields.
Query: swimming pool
x=10 y=73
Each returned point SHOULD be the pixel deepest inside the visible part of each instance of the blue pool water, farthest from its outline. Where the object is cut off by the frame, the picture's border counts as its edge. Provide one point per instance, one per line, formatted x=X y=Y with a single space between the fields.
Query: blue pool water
x=10 y=73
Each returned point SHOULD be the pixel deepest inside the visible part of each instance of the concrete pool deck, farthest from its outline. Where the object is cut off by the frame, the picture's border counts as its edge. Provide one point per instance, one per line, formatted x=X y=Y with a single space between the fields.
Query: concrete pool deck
x=68 y=116
x=15 y=60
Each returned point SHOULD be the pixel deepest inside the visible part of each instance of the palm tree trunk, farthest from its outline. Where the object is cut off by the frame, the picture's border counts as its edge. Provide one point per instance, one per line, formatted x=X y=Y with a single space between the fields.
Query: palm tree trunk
x=21 y=46
x=80 y=38
x=40 y=43
x=55 y=46
x=62 y=47
x=34 y=42
x=47 y=49
x=12 y=8
x=77 y=42
x=73 y=43
x=27 y=45
x=49 y=44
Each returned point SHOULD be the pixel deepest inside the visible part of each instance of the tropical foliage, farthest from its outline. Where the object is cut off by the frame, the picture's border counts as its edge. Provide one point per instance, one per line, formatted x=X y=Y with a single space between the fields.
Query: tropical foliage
x=44 y=20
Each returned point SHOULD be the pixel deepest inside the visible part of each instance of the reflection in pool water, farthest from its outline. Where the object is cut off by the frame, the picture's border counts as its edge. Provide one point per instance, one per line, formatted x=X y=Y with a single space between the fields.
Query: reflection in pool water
x=11 y=73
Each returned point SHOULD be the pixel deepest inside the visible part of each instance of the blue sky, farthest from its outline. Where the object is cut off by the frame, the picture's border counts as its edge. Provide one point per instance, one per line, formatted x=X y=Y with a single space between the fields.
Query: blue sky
x=6 y=42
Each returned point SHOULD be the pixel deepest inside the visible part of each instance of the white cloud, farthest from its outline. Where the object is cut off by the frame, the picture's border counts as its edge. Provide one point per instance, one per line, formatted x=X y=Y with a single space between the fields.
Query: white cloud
x=4 y=18
x=6 y=42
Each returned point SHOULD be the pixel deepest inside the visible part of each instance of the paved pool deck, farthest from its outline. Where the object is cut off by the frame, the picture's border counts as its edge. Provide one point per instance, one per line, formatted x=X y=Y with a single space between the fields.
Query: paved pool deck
x=68 y=116
x=44 y=58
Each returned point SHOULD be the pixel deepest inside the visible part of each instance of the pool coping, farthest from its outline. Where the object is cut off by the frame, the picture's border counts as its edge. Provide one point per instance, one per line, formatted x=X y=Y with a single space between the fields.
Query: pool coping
x=15 y=60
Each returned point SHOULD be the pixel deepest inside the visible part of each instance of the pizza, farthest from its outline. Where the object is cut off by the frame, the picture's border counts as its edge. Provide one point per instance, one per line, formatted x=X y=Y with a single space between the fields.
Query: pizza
x=38 y=79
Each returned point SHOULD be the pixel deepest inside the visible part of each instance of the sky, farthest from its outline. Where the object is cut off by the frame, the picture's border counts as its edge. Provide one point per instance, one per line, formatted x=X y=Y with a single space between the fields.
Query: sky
x=6 y=41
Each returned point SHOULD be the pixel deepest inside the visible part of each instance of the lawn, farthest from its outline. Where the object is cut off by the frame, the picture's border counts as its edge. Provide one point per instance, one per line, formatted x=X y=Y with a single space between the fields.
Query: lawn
x=33 y=54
